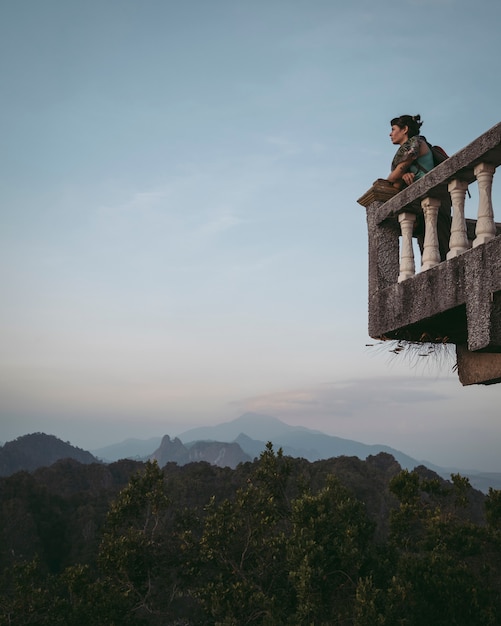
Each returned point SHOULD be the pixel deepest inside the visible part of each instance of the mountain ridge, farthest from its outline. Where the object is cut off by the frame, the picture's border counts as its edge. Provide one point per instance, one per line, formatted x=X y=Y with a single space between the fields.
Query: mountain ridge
x=247 y=424
x=29 y=452
x=214 y=444
x=263 y=428
x=312 y=444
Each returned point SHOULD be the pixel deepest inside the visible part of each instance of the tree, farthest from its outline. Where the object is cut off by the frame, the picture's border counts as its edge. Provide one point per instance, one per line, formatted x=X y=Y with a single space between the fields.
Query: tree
x=139 y=554
x=242 y=558
x=441 y=566
x=493 y=509
x=327 y=549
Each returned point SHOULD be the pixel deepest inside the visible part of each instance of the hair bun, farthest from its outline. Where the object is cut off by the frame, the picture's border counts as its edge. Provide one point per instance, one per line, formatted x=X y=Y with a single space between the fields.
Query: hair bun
x=417 y=119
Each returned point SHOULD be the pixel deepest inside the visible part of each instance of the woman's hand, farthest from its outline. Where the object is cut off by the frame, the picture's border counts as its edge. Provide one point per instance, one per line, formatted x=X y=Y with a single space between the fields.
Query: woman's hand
x=400 y=173
x=408 y=178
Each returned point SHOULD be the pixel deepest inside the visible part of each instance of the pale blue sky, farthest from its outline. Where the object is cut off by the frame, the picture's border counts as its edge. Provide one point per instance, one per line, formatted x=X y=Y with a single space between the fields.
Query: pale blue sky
x=180 y=240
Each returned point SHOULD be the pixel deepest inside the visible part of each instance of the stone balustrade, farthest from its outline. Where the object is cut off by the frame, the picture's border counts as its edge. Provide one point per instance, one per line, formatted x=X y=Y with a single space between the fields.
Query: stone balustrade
x=448 y=183
x=485 y=227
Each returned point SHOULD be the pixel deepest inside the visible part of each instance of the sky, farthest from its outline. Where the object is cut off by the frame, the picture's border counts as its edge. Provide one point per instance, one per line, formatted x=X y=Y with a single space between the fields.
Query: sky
x=180 y=241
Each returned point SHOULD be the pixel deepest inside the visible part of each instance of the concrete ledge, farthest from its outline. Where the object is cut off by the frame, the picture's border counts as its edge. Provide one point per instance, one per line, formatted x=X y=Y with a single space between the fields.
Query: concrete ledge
x=478 y=368
x=454 y=300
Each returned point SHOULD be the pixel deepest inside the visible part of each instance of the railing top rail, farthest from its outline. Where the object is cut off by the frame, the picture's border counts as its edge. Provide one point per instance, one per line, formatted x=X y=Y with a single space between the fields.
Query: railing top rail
x=486 y=148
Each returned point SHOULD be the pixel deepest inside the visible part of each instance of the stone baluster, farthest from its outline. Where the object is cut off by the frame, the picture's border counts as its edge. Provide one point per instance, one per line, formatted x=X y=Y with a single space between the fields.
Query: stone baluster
x=407 y=265
x=459 y=240
x=431 y=252
x=486 y=229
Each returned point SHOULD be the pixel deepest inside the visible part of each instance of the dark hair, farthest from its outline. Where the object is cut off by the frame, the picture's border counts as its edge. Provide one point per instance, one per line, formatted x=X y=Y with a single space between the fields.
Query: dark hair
x=413 y=122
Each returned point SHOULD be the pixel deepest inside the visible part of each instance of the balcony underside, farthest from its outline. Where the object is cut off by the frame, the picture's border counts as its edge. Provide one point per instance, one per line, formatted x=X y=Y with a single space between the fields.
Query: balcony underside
x=457 y=301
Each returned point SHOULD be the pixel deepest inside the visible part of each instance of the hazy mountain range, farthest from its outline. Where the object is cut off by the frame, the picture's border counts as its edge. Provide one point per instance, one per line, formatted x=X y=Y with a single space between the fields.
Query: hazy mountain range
x=252 y=431
x=226 y=444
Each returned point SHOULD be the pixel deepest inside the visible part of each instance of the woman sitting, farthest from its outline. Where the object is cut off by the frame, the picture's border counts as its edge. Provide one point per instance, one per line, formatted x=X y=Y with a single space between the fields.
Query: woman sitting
x=411 y=162
x=414 y=157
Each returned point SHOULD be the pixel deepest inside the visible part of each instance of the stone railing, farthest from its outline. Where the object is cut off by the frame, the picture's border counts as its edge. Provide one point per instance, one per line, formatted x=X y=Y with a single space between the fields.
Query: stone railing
x=445 y=185
x=456 y=297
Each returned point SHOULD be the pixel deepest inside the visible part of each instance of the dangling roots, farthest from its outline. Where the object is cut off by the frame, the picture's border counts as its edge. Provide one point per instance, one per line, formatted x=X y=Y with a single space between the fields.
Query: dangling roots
x=441 y=353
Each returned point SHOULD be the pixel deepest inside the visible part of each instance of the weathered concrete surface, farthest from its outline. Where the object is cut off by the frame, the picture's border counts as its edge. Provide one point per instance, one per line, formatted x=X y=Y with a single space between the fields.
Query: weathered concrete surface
x=456 y=301
x=384 y=263
x=478 y=367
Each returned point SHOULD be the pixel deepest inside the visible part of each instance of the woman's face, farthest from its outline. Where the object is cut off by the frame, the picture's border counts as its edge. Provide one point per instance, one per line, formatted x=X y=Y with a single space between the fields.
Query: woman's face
x=399 y=135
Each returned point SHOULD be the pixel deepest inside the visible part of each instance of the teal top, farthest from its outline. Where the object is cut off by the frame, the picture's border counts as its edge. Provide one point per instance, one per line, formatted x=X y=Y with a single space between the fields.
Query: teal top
x=411 y=148
x=426 y=163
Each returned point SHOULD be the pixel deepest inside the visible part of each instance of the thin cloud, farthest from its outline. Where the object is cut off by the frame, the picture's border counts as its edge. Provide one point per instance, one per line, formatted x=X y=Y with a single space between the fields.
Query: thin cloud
x=345 y=399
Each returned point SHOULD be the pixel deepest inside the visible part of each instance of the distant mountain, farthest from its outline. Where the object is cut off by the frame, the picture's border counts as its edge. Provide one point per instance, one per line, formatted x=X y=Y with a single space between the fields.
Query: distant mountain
x=216 y=453
x=128 y=449
x=481 y=481
x=30 y=452
x=170 y=451
x=296 y=441
x=253 y=447
x=254 y=425
x=252 y=431
x=225 y=445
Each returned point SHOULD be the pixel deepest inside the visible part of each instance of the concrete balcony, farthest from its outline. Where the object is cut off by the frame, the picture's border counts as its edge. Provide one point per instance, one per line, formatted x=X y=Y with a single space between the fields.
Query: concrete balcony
x=456 y=295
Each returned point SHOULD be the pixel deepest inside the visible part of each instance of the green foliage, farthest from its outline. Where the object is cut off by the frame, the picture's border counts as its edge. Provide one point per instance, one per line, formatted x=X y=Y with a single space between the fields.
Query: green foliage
x=31 y=596
x=368 y=604
x=406 y=487
x=243 y=548
x=461 y=488
x=140 y=551
x=28 y=596
x=444 y=569
x=277 y=542
x=493 y=509
x=326 y=551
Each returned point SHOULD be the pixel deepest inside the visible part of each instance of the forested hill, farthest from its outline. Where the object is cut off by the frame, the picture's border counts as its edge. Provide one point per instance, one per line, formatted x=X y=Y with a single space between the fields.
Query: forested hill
x=38 y=450
x=279 y=540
